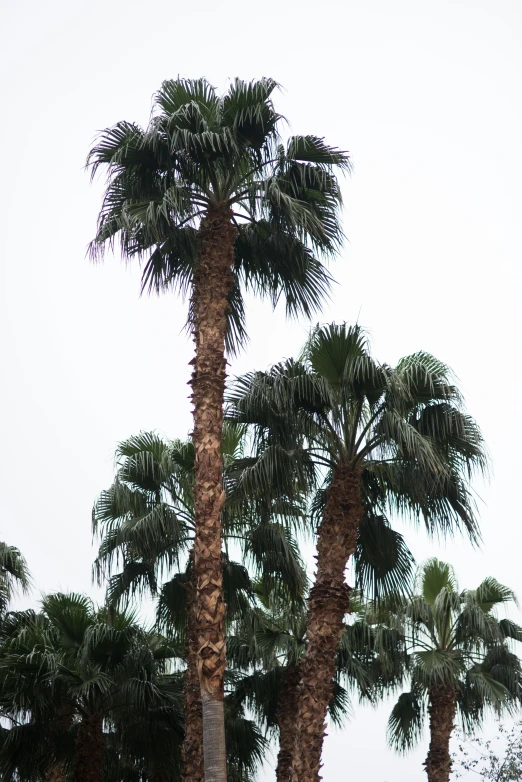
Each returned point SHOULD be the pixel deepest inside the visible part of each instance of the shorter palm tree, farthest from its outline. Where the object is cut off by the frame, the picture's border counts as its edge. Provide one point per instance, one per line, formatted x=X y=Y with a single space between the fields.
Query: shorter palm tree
x=459 y=658
x=146 y=522
x=69 y=677
x=269 y=646
x=264 y=655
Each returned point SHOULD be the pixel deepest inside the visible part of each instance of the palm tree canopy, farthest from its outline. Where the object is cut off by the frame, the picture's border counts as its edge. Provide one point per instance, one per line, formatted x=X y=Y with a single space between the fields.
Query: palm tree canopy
x=70 y=661
x=454 y=638
x=200 y=152
x=405 y=427
x=146 y=523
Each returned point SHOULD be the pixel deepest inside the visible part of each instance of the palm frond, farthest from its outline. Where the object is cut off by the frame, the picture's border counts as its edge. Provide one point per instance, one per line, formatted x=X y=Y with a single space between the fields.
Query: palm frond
x=490 y=593
x=383 y=561
x=14 y=574
x=311 y=149
x=246 y=748
x=433 y=577
x=405 y=722
x=276 y=557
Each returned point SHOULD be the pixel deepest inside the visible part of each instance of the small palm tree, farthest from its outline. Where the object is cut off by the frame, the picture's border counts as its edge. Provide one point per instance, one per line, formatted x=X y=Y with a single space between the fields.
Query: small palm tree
x=270 y=646
x=67 y=676
x=146 y=522
x=265 y=650
x=459 y=661
x=385 y=438
x=27 y=705
x=217 y=204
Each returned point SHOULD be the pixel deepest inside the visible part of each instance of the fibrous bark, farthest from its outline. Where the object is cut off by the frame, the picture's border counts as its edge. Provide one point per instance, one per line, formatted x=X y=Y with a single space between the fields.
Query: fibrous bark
x=57 y=771
x=192 y=750
x=160 y=776
x=442 y=715
x=328 y=603
x=286 y=711
x=88 y=761
x=212 y=284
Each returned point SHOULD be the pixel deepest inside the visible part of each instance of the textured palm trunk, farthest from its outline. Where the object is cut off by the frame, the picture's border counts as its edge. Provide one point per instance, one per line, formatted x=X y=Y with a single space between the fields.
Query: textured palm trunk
x=442 y=716
x=88 y=761
x=57 y=771
x=213 y=281
x=56 y=774
x=286 y=711
x=192 y=750
x=328 y=603
x=160 y=776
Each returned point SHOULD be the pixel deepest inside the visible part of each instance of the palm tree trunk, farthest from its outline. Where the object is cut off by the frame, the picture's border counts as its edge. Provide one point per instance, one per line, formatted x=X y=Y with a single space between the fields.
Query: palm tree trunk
x=286 y=711
x=442 y=715
x=192 y=750
x=328 y=603
x=57 y=771
x=213 y=282
x=160 y=776
x=88 y=761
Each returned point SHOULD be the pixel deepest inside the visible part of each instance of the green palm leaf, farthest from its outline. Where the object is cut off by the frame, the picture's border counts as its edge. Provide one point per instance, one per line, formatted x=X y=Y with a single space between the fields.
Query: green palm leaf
x=405 y=722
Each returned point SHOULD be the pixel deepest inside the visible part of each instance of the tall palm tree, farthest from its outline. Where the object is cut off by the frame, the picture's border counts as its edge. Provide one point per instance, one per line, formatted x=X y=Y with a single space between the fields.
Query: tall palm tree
x=14 y=574
x=215 y=201
x=459 y=661
x=146 y=522
x=387 y=438
x=211 y=173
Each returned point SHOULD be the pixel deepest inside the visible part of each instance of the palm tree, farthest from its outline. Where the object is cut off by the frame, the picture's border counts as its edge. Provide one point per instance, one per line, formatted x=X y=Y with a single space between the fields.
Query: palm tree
x=214 y=200
x=14 y=574
x=269 y=647
x=67 y=676
x=146 y=521
x=395 y=438
x=27 y=751
x=264 y=651
x=459 y=661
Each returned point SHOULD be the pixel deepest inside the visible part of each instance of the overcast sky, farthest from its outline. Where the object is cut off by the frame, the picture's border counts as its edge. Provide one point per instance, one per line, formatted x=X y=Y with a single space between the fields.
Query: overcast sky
x=425 y=96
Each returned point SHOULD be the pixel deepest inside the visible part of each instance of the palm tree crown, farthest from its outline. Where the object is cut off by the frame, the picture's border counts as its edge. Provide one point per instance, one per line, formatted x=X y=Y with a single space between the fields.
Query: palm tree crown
x=147 y=527
x=203 y=152
x=403 y=428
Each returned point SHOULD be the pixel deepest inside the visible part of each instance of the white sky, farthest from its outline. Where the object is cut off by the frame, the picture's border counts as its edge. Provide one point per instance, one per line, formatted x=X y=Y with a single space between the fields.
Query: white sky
x=425 y=95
